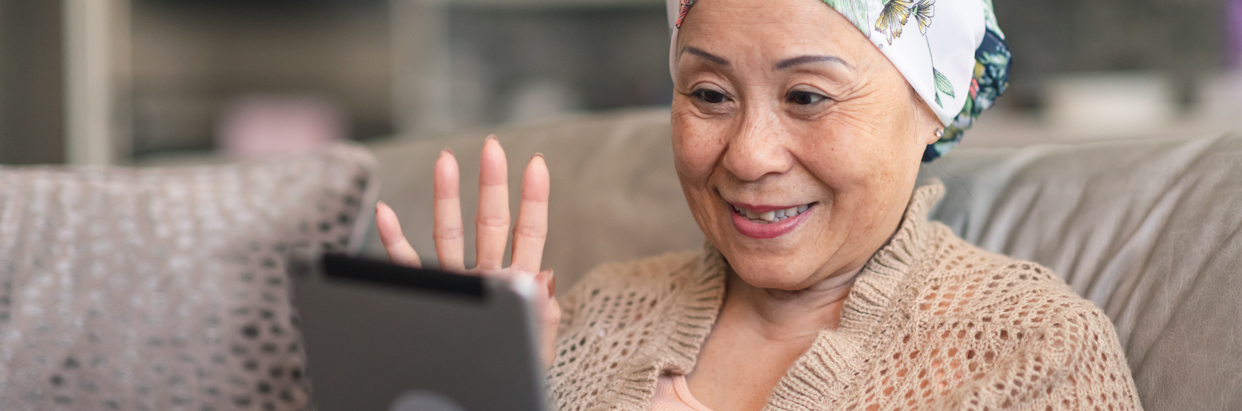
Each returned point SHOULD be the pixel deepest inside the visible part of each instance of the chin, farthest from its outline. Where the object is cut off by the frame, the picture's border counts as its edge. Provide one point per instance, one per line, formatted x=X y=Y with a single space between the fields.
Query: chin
x=774 y=263
x=771 y=272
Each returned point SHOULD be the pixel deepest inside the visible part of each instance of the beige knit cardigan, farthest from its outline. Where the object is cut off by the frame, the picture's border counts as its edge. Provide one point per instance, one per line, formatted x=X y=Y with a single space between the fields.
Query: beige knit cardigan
x=931 y=323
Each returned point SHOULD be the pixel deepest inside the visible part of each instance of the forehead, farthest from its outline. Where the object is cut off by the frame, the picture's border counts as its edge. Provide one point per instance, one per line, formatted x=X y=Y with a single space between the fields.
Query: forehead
x=777 y=26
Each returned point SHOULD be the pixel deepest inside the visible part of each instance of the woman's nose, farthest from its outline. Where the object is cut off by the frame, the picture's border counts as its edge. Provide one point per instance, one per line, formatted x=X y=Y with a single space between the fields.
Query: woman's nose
x=756 y=148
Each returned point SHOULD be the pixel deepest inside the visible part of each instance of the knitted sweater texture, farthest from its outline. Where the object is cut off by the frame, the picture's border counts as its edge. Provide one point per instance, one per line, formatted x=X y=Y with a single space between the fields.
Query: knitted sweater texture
x=932 y=322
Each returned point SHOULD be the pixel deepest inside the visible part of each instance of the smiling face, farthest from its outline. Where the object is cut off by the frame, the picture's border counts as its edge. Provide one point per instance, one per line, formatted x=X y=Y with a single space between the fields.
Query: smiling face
x=796 y=141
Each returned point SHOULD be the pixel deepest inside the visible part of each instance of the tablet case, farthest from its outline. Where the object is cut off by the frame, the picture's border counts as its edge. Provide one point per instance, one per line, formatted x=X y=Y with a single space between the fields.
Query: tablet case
x=384 y=337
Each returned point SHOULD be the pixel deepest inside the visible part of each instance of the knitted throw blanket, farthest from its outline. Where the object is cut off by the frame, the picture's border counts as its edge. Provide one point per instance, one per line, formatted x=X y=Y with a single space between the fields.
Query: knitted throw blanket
x=932 y=323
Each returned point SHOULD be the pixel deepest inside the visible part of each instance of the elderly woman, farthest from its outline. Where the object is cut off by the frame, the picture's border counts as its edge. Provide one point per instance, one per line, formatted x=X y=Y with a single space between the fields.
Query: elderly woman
x=798 y=130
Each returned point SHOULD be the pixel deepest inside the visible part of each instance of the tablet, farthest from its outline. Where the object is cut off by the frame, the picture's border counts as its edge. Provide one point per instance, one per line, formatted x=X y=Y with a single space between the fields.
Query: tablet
x=384 y=337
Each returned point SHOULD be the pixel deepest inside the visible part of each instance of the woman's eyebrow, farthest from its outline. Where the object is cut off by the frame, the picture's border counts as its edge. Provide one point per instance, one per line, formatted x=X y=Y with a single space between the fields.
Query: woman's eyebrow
x=706 y=56
x=787 y=63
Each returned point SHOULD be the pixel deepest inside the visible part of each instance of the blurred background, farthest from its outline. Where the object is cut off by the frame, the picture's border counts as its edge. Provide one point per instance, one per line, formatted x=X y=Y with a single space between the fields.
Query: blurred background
x=158 y=81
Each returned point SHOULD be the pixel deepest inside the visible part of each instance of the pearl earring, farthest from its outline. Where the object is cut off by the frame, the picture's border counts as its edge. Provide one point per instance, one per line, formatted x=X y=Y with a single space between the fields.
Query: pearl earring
x=939 y=133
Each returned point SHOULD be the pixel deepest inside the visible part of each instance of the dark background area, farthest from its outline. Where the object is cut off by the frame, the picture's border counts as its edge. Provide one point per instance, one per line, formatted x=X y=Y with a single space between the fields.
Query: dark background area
x=31 y=82
x=191 y=59
x=1185 y=38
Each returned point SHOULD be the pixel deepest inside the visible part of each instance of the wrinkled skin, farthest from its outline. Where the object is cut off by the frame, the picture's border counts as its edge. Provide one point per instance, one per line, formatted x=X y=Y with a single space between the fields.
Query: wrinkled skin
x=784 y=103
x=848 y=137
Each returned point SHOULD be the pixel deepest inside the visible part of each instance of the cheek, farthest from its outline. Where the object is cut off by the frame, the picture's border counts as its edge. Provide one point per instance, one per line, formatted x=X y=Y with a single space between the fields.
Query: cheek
x=862 y=154
x=840 y=153
x=864 y=143
x=697 y=146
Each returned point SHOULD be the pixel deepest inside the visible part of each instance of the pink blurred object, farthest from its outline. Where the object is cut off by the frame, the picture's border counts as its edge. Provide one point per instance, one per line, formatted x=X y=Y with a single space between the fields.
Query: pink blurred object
x=264 y=126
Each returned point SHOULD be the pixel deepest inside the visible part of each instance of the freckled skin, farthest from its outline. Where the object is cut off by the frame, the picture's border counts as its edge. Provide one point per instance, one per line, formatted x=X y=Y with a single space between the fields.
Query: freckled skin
x=847 y=137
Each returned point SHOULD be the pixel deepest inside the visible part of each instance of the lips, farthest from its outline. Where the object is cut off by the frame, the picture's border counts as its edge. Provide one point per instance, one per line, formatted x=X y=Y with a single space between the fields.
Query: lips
x=768 y=221
x=771 y=216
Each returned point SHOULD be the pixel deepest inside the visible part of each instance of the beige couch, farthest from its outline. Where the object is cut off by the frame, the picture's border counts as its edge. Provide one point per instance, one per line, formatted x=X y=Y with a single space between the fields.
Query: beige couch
x=1149 y=230
x=166 y=288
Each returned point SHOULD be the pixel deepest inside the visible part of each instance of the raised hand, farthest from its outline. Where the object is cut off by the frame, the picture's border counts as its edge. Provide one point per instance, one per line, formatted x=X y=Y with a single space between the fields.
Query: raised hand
x=491 y=228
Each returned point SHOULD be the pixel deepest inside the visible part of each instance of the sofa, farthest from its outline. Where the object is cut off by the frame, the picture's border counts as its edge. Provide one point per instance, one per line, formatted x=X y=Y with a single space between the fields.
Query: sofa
x=163 y=288
x=1149 y=230
x=166 y=288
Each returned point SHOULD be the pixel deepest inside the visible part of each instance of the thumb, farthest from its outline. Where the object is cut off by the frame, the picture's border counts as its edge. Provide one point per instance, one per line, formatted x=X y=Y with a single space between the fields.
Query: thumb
x=549 y=316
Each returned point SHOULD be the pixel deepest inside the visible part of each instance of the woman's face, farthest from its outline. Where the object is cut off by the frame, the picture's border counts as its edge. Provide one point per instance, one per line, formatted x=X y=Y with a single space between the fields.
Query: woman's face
x=782 y=107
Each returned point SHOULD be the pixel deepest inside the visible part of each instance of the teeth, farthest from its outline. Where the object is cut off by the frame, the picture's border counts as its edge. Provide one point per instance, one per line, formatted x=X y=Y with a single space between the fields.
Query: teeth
x=772 y=216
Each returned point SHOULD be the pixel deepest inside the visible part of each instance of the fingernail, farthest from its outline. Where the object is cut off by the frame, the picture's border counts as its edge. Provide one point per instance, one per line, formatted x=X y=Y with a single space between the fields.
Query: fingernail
x=446 y=150
x=551 y=282
x=540 y=155
x=491 y=137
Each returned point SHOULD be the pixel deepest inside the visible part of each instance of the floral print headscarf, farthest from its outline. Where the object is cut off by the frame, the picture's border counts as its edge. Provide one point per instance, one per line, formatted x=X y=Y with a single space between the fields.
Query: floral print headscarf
x=954 y=55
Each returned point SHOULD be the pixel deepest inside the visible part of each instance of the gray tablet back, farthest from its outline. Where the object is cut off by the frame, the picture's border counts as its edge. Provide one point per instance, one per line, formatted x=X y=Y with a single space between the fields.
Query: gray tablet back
x=383 y=337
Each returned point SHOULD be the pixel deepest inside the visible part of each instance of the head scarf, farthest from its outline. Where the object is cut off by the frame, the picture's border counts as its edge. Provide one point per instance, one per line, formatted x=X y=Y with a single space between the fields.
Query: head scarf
x=953 y=55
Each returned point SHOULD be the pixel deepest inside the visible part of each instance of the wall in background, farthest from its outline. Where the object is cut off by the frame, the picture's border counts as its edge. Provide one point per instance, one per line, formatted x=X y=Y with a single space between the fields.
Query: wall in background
x=507 y=60
x=531 y=63
x=1183 y=38
x=192 y=60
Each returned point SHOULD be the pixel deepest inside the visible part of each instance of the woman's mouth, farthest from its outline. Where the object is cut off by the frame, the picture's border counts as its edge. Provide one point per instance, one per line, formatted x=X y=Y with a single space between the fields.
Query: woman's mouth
x=768 y=217
x=767 y=221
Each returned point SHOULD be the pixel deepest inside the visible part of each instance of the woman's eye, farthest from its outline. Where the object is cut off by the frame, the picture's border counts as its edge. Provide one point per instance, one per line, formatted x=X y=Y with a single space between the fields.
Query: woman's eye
x=805 y=98
x=709 y=96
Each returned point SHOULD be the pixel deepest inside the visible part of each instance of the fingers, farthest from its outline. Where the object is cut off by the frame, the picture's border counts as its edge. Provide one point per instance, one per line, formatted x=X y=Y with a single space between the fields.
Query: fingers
x=549 y=317
x=551 y=284
x=399 y=250
x=447 y=230
x=531 y=229
x=551 y=323
x=492 y=221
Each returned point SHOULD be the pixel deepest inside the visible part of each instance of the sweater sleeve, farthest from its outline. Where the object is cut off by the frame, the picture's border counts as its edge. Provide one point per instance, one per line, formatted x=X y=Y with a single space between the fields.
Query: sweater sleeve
x=1074 y=361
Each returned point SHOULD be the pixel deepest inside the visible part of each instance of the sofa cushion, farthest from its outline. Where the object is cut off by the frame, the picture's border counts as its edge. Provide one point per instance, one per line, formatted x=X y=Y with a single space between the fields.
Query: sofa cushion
x=165 y=289
x=1149 y=230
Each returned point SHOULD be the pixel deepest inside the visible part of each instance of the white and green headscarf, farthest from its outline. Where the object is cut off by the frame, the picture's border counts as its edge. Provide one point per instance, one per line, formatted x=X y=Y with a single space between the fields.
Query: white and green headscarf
x=953 y=53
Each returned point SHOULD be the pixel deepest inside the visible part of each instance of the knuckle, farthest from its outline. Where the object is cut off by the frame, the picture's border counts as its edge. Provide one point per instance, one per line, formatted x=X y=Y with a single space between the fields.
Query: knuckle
x=552 y=312
x=399 y=245
x=492 y=222
x=448 y=234
x=533 y=233
x=533 y=198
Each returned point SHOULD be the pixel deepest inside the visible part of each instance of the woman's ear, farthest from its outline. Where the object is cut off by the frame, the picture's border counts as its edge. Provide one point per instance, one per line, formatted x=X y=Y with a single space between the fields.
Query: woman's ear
x=926 y=123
